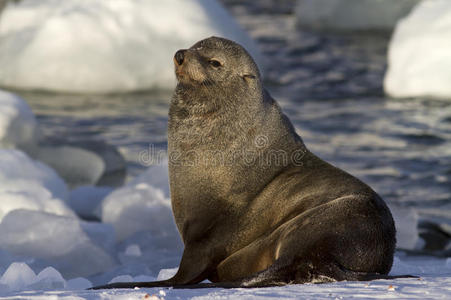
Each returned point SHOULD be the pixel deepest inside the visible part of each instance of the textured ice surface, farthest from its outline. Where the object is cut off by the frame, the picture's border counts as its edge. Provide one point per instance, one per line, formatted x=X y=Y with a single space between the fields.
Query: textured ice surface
x=83 y=167
x=419 y=55
x=56 y=240
x=352 y=15
x=104 y=46
x=78 y=283
x=140 y=206
x=19 y=276
x=17 y=122
x=86 y=200
x=157 y=175
x=167 y=273
x=28 y=184
x=406 y=221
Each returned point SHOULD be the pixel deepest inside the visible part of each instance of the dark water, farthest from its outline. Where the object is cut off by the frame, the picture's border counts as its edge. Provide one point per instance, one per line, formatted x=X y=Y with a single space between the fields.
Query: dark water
x=331 y=88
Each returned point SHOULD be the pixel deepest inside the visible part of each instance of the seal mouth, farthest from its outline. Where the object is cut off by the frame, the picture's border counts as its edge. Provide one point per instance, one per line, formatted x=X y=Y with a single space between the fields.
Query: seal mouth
x=181 y=75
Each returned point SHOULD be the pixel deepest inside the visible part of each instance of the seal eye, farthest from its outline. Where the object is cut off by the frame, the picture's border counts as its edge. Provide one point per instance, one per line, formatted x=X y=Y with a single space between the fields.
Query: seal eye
x=214 y=63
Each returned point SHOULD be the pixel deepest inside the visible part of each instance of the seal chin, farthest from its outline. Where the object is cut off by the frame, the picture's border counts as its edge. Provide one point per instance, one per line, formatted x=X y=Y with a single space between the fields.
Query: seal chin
x=181 y=75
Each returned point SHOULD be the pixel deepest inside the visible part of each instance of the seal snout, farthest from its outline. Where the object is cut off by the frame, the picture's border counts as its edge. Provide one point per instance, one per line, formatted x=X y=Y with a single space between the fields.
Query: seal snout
x=179 y=57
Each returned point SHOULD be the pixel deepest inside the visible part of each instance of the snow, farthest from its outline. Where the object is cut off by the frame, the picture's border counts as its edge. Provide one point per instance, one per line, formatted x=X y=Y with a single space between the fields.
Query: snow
x=99 y=46
x=434 y=283
x=352 y=15
x=419 y=55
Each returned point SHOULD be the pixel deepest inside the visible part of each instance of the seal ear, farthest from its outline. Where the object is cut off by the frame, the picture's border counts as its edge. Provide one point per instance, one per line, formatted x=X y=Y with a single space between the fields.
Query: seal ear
x=248 y=77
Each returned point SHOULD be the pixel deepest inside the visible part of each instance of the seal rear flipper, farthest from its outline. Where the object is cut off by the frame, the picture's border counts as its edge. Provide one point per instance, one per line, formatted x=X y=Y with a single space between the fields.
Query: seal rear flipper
x=342 y=273
x=132 y=285
x=376 y=276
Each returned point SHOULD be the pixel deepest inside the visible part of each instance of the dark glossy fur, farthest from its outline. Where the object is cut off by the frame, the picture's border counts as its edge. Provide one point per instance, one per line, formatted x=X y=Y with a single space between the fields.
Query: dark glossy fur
x=253 y=205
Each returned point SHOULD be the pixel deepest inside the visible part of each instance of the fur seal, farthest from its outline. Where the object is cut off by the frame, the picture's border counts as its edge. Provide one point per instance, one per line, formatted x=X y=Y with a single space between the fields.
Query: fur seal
x=253 y=205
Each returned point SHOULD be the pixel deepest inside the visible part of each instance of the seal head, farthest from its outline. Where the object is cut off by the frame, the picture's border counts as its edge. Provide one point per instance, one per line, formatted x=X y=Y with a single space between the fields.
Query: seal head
x=214 y=60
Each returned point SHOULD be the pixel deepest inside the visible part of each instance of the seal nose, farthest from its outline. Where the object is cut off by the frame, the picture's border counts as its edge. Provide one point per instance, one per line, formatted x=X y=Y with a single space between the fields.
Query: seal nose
x=180 y=57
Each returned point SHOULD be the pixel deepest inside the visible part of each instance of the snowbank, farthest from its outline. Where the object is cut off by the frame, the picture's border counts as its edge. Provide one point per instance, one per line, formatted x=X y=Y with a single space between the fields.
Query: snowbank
x=17 y=122
x=352 y=15
x=98 y=46
x=419 y=55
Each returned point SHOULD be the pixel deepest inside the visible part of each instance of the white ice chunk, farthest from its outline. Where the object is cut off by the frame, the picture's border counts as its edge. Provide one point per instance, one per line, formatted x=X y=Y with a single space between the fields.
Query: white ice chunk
x=167 y=273
x=48 y=279
x=85 y=200
x=17 y=122
x=352 y=15
x=122 y=278
x=59 y=241
x=102 y=234
x=156 y=175
x=133 y=250
x=15 y=165
x=419 y=55
x=77 y=166
x=448 y=262
x=18 y=276
x=144 y=278
x=406 y=222
x=28 y=184
x=402 y=268
x=105 y=46
x=34 y=197
x=139 y=207
x=78 y=283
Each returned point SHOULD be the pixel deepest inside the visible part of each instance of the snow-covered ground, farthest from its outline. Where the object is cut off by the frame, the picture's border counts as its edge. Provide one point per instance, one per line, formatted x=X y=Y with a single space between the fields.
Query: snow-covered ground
x=107 y=46
x=434 y=283
x=352 y=15
x=419 y=55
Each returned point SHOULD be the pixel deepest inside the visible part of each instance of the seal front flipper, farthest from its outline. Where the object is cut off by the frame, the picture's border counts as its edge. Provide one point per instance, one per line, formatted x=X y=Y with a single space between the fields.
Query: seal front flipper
x=194 y=268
